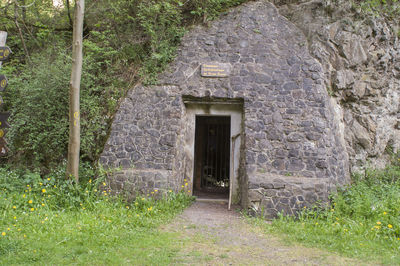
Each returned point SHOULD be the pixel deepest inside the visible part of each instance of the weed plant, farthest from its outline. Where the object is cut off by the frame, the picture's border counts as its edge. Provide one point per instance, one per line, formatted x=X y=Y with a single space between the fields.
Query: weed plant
x=56 y=221
x=363 y=219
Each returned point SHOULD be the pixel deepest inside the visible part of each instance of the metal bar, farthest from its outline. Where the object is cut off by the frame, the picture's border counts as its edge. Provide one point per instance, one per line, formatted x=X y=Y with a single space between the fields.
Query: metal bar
x=214 y=153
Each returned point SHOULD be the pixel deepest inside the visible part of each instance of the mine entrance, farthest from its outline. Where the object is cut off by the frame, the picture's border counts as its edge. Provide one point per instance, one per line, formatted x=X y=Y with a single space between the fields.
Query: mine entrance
x=212 y=156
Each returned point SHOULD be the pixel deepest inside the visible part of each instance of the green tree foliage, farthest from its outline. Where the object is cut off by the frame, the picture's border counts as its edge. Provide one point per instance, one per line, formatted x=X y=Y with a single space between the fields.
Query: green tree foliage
x=125 y=42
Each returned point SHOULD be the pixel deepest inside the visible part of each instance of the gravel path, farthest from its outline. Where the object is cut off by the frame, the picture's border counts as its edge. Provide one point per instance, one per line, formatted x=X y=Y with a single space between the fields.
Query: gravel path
x=212 y=235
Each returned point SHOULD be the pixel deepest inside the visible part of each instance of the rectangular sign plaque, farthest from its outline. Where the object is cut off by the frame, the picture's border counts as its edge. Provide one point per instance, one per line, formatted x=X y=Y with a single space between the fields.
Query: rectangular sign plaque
x=215 y=70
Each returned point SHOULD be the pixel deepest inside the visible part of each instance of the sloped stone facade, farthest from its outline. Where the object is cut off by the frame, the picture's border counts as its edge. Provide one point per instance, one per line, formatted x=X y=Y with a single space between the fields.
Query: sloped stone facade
x=292 y=153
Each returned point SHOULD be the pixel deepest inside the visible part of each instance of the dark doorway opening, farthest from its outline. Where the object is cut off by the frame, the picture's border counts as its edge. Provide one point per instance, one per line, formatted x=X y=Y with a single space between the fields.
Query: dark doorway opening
x=212 y=156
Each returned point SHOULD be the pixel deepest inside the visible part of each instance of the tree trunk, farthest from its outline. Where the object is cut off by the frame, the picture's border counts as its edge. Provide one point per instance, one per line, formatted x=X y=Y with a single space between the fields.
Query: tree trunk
x=76 y=72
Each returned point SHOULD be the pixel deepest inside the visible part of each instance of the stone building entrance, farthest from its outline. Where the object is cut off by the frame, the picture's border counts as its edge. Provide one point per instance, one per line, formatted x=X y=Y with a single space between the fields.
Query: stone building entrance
x=250 y=71
x=212 y=155
x=213 y=147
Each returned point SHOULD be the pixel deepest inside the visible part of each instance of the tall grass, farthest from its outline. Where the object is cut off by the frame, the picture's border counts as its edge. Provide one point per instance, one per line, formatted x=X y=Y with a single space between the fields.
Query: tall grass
x=363 y=219
x=53 y=221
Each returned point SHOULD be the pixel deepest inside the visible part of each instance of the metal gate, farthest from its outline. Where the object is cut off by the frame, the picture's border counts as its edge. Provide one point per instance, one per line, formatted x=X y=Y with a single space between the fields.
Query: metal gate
x=213 y=149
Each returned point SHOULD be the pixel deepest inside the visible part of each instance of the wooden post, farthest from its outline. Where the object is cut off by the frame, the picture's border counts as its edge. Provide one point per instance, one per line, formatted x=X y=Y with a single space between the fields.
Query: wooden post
x=3 y=143
x=3 y=38
x=76 y=73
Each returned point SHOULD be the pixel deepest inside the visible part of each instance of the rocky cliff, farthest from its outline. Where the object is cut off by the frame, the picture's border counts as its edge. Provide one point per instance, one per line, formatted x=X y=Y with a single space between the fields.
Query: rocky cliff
x=360 y=55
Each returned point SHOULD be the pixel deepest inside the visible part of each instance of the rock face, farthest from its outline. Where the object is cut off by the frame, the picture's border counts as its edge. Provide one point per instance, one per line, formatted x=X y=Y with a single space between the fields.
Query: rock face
x=360 y=57
x=292 y=149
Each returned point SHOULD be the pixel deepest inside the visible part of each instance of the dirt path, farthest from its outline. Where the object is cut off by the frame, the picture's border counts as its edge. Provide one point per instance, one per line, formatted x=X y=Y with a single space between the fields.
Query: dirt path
x=212 y=235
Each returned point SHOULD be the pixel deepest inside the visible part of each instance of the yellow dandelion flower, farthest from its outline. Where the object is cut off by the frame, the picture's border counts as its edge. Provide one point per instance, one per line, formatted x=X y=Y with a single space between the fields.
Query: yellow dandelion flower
x=43 y=204
x=32 y=209
x=14 y=207
x=30 y=201
x=136 y=203
x=169 y=190
x=55 y=186
x=156 y=190
x=19 y=229
x=316 y=223
x=24 y=236
x=127 y=207
x=378 y=222
x=142 y=198
x=390 y=226
x=24 y=196
x=3 y=233
x=384 y=213
x=186 y=184
x=48 y=179
x=183 y=186
x=149 y=209
x=40 y=183
x=104 y=184
x=90 y=180
x=189 y=191
x=8 y=228
x=184 y=180
x=15 y=217
x=152 y=192
x=43 y=190
x=28 y=185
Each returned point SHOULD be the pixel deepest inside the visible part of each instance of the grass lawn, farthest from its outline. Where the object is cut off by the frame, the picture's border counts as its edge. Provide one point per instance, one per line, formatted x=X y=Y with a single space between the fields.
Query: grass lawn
x=46 y=223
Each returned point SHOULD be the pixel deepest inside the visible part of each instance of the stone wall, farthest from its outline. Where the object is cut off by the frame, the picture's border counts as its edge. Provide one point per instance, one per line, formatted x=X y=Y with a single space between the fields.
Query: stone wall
x=289 y=127
x=273 y=194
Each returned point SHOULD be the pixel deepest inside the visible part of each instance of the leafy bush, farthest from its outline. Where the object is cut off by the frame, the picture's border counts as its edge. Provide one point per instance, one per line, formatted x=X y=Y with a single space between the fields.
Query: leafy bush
x=38 y=98
x=387 y=8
